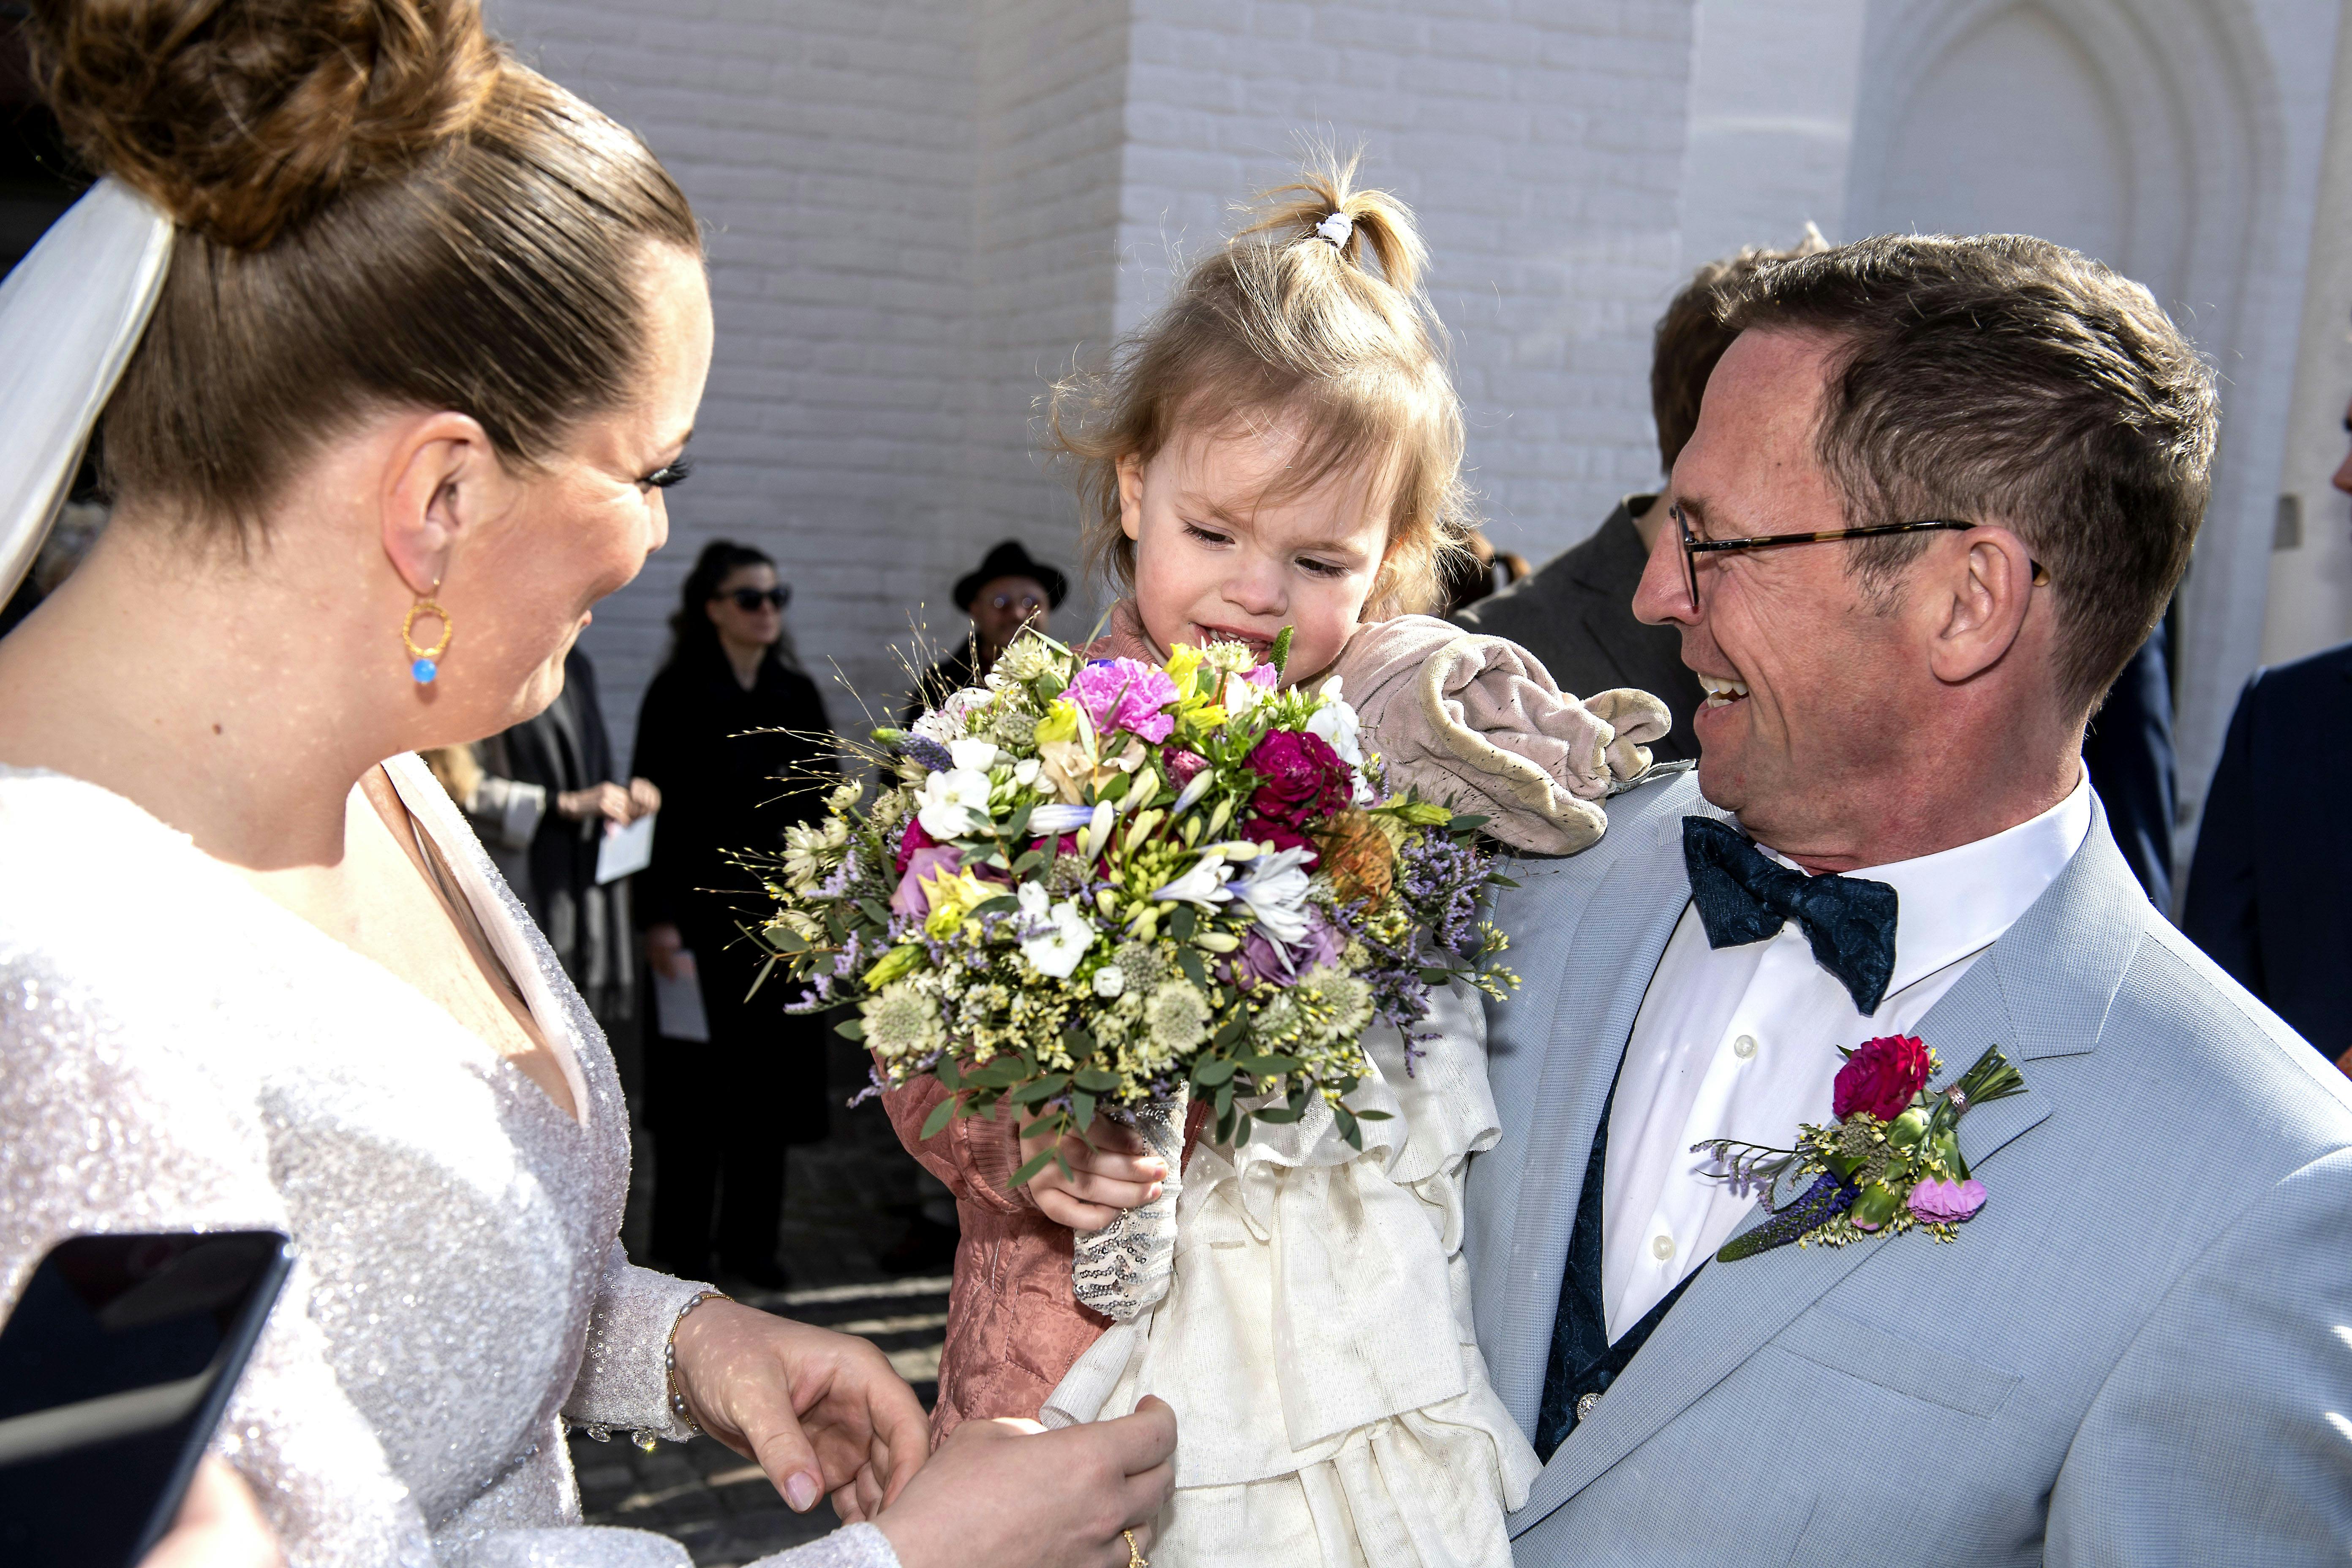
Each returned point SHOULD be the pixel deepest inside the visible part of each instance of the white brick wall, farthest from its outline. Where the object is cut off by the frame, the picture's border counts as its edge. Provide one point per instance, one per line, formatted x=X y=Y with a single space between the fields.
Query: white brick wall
x=922 y=211
x=1541 y=147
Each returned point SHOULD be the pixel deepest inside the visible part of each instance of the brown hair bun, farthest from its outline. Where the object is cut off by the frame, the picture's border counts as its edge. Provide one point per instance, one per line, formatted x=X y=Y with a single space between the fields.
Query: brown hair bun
x=242 y=117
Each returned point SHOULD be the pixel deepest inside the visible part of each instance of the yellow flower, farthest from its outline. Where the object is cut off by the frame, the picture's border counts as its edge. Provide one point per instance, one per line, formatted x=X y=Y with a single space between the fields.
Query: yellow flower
x=1181 y=664
x=1060 y=723
x=952 y=898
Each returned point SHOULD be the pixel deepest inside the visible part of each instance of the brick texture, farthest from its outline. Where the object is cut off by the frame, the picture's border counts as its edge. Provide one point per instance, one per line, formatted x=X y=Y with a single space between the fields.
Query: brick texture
x=922 y=212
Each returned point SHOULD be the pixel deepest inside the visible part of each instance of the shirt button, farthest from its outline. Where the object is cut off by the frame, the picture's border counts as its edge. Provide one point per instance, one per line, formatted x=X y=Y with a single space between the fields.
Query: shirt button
x=1744 y=1047
x=1662 y=1246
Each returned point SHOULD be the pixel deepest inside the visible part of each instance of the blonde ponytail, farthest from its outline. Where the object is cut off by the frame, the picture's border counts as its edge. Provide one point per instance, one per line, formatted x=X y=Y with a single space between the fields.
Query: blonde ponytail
x=1297 y=314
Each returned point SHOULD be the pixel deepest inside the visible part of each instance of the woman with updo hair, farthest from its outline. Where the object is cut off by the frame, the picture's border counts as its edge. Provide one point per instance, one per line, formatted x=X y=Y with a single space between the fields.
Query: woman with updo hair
x=398 y=346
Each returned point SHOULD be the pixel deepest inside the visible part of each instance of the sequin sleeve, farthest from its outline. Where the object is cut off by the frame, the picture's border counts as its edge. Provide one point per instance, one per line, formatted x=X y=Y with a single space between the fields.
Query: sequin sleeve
x=624 y=1380
x=119 y=1119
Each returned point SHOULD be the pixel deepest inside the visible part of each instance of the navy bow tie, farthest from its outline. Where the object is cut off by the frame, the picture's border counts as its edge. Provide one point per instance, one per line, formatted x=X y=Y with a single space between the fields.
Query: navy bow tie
x=1744 y=896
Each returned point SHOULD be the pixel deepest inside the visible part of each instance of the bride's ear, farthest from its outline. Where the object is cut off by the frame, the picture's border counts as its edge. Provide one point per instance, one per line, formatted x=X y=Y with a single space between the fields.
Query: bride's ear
x=442 y=482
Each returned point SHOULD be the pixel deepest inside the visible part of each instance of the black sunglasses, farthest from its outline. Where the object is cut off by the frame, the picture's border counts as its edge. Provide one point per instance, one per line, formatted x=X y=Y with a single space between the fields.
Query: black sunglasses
x=1693 y=547
x=750 y=599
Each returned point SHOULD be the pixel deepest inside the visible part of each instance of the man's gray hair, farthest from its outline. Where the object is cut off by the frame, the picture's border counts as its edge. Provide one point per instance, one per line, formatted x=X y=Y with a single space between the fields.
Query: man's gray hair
x=2004 y=380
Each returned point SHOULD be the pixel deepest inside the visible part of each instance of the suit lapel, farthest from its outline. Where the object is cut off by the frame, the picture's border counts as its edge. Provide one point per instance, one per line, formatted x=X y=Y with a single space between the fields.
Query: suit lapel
x=2043 y=991
x=1609 y=957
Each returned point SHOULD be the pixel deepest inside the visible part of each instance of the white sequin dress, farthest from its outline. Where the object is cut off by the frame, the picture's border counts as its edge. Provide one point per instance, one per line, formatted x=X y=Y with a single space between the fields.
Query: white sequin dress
x=179 y=1052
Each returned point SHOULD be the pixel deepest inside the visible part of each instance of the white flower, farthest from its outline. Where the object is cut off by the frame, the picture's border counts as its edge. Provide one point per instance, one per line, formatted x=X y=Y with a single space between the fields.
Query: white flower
x=1275 y=893
x=1241 y=695
x=1024 y=771
x=1337 y=723
x=1202 y=782
x=1203 y=884
x=1063 y=938
x=1027 y=658
x=1109 y=980
x=951 y=721
x=972 y=753
x=1054 y=820
x=950 y=801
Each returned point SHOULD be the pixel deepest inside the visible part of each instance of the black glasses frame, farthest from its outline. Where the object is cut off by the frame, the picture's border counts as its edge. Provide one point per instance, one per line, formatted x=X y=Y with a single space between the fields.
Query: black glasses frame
x=749 y=600
x=1693 y=547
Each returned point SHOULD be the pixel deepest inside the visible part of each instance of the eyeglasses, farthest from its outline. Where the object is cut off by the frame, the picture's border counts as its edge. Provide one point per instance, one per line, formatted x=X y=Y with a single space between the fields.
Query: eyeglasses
x=1693 y=547
x=749 y=600
x=1028 y=603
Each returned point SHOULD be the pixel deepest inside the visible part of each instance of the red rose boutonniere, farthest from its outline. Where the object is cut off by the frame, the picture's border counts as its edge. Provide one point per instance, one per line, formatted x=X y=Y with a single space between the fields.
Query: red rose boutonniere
x=1890 y=1161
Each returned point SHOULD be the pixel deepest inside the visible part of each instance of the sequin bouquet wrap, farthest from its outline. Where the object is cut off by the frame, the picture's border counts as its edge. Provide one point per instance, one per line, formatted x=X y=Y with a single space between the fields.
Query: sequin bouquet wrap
x=1096 y=886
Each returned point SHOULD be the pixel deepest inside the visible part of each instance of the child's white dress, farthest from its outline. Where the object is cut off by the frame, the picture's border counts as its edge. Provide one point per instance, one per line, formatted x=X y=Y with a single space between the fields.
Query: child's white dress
x=1316 y=1341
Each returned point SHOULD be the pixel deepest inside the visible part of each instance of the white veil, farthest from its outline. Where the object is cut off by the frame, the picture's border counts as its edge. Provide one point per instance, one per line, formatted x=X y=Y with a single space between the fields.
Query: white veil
x=70 y=313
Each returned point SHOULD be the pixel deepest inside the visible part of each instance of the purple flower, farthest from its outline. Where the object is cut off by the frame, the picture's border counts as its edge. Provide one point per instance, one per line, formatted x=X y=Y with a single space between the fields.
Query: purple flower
x=1182 y=766
x=1124 y=694
x=1260 y=957
x=1939 y=1202
x=911 y=899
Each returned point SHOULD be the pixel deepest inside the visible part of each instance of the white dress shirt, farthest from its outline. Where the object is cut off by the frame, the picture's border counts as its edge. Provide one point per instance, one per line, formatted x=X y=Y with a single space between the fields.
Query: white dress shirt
x=1742 y=1042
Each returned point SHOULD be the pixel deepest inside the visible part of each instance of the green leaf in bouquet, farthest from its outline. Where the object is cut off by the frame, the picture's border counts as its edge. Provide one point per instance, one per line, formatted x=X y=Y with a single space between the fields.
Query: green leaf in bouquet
x=1018 y=823
x=1030 y=860
x=1496 y=879
x=1272 y=1064
x=1467 y=822
x=1001 y=1073
x=1224 y=1104
x=1003 y=904
x=1082 y=1108
x=942 y=1114
x=1435 y=976
x=1050 y=1155
x=760 y=979
x=1375 y=1115
x=947 y=1072
x=1096 y=1080
x=1210 y=1071
x=1280 y=1115
x=873 y=910
x=1046 y=1087
x=1182 y=923
x=1280 y=654
x=1241 y=1131
x=1116 y=790
x=851 y=1029
x=1347 y=1128
x=1230 y=1030
x=1188 y=960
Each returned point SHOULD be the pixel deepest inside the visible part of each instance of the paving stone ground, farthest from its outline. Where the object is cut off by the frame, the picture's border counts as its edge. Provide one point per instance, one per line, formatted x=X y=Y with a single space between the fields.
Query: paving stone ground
x=846 y=1202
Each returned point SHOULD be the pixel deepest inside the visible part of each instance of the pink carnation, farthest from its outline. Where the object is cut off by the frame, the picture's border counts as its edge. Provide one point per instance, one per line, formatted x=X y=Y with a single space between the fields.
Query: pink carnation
x=1124 y=694
x=1939 y=1202
x=1182 y=766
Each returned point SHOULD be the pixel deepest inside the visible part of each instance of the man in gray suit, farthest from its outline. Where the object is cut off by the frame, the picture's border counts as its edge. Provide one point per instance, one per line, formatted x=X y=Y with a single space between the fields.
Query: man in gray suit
x=1987 y=458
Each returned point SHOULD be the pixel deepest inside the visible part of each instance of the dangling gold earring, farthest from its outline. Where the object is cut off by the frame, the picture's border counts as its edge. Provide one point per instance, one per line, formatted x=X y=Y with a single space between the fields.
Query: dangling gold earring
x=424 y=663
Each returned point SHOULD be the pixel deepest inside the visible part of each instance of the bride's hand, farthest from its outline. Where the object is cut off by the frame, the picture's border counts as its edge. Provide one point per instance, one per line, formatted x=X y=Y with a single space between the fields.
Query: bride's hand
x=820 y=1411
x=1118 y=1172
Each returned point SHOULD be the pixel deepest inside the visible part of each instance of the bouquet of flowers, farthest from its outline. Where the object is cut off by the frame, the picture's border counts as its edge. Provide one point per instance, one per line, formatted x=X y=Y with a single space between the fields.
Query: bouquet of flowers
x=1890 y=1159
x=1100 y=887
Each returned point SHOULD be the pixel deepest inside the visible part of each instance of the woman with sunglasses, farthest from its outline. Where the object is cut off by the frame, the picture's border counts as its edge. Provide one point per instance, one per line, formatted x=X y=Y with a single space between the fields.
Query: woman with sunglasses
x=736 y=740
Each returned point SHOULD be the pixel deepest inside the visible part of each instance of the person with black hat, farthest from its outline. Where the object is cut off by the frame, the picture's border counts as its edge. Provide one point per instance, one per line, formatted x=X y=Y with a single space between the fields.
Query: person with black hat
x=1009 y=591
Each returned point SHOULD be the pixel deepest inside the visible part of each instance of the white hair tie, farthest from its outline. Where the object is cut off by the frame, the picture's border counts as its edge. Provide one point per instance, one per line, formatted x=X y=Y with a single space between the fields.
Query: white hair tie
x=70 y=314
x=1335 y=228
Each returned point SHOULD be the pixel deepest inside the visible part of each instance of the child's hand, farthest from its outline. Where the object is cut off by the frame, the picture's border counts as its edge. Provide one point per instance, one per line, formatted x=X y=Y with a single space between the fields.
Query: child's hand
x=1118 y=1172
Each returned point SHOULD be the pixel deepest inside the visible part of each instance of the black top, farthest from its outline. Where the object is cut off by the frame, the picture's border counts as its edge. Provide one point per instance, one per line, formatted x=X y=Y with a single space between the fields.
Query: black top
x=1576 y=615
x=2266 y=890
x=724 y=786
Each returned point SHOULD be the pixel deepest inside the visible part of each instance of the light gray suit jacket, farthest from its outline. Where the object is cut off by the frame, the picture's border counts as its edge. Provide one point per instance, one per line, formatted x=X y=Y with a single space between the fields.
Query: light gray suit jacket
x=2140 y=1351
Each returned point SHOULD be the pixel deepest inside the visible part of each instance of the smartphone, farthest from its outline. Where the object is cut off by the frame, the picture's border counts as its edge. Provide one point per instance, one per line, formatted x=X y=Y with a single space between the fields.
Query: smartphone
x=115 y=1367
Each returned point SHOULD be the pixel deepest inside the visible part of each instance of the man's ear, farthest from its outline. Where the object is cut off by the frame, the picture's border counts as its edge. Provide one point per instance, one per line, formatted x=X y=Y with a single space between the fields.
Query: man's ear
x=1984 y=596
x=1131 y=494
x=441 y=482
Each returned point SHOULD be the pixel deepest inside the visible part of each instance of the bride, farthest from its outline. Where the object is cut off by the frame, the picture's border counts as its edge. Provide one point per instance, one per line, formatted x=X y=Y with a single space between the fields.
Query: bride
x=398 y=347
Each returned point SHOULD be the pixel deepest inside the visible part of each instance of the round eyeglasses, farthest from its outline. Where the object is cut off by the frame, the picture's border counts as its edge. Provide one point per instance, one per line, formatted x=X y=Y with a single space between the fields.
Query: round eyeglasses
x=1693 y=547
x=1026 y=604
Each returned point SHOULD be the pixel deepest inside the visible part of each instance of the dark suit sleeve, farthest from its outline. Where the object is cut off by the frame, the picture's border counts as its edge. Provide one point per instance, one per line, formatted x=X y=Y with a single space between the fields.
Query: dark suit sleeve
x=2222 y=917
x=2129 y=754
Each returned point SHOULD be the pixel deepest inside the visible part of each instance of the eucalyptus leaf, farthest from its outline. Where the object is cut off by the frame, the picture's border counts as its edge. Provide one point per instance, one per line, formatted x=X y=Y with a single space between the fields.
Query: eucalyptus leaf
x=851 y=1029
x=942 y=1114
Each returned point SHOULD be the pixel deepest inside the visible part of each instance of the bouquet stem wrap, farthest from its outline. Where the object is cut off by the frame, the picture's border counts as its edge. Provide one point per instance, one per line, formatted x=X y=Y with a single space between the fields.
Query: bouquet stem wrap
x=1125 y=1267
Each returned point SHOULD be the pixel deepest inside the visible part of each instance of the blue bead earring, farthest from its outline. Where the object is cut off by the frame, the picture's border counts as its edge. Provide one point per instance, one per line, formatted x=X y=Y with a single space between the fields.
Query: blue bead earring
x=424 y=663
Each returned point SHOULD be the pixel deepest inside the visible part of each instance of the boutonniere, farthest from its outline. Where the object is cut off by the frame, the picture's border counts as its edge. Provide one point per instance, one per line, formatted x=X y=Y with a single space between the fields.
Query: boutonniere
x=1890 y=1161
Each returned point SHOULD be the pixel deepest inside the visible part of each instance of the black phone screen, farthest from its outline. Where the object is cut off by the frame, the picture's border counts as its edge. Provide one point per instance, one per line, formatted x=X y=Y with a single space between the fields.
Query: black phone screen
x=115 y=1366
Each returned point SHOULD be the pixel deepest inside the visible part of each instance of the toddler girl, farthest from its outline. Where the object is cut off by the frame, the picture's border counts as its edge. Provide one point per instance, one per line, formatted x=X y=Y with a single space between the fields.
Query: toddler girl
x=1281 y=447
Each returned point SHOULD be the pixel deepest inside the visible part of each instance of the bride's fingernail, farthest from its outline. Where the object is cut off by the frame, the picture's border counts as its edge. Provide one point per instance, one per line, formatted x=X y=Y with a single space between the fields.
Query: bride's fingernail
x=801 y=1491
